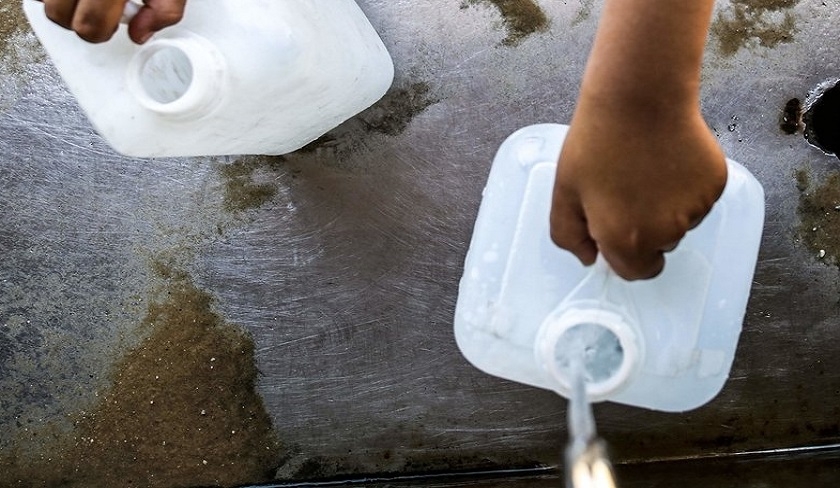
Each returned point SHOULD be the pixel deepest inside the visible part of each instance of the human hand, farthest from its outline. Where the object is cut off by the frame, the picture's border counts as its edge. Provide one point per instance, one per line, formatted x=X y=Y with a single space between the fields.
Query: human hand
x=97 y=20
x=639 y=167
x=630 y=187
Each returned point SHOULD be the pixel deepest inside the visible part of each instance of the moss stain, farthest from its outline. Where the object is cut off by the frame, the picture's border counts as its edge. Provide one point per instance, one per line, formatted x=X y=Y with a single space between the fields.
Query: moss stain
x=242 y=190
x=181 y=411
x=768 y=22
x=521 y=18
x=819 y=210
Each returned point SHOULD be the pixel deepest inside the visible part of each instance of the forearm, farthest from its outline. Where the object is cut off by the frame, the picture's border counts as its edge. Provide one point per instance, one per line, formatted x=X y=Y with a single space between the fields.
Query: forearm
x=648 y=55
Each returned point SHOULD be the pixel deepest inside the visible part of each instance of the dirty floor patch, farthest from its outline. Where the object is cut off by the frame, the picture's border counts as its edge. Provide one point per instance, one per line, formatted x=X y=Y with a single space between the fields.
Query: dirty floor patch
x=746 y=22
x=18 y=50
x=819 y=210
x=392 y=114
x=12 y=23
x=181 y=411
x=245 y=183
x=521 y=18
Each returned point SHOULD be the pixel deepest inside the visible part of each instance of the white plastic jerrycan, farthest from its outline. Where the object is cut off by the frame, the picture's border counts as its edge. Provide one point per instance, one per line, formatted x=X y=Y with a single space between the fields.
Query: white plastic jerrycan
x=233 y=77
x=529 y=311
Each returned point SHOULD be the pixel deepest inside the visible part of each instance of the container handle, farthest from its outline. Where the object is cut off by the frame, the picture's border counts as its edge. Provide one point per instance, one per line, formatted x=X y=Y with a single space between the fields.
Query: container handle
x=129 y=11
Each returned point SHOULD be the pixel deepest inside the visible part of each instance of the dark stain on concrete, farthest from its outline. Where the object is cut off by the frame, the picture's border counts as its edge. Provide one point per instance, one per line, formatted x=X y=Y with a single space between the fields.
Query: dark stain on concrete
x=584 y=13
x=390 y=116
x=819 y=211
x=395 y=111
x=767 y=22
x=244 y=189
x=791 y=119
x=181 y=410
x=521 y=18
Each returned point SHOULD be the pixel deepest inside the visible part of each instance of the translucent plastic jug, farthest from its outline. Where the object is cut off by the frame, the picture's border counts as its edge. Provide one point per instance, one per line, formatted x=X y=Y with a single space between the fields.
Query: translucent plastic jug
x=526 y=307
x=233 y=77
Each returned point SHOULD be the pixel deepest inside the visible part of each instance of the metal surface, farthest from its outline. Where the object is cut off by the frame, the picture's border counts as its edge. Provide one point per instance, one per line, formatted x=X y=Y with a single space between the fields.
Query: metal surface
x=342 y=260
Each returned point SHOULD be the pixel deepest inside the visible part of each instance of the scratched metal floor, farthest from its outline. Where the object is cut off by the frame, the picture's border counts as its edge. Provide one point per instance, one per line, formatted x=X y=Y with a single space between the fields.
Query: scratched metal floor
x=342 y=261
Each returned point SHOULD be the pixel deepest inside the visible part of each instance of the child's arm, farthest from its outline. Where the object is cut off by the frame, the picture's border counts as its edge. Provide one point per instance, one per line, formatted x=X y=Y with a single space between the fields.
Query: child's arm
x=639 y=167
x=97 y=20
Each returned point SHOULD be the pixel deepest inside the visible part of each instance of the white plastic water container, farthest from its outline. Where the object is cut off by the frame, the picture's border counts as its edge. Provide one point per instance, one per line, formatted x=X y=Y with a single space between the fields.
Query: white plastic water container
x=526 y=307
x=233 y=77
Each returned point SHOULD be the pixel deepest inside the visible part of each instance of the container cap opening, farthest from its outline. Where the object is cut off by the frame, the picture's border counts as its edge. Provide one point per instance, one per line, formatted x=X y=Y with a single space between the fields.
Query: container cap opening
x=601 y=342
x=166 y=74
x=182 y=76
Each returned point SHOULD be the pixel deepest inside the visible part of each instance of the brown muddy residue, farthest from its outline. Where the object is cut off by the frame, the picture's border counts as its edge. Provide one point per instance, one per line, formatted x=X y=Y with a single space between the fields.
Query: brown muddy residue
x=819 y=211
x=12 y=23
x=181 y=410
x=521 y=18
x=242 y=190
x=18 y=50
x=392 y=114
x=744 y=22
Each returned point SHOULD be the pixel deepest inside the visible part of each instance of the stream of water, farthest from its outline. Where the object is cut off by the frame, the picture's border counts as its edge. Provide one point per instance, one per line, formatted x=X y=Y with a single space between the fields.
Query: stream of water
x=587 y=464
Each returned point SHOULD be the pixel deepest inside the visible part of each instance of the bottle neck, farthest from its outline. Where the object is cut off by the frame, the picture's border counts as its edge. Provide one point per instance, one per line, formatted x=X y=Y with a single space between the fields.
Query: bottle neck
x=587 y=340
x=182 y=75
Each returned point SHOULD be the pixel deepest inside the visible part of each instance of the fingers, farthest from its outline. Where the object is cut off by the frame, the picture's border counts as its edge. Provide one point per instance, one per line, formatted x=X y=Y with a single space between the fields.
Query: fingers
x=60 y=11
x=635 y=266
x=93 y=20
x=154 y=16
x=569 y=230
x=639 y=253
x=97 y=20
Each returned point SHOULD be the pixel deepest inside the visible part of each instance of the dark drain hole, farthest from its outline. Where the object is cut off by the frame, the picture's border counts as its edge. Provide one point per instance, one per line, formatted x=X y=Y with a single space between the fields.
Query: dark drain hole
x=822 y=119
